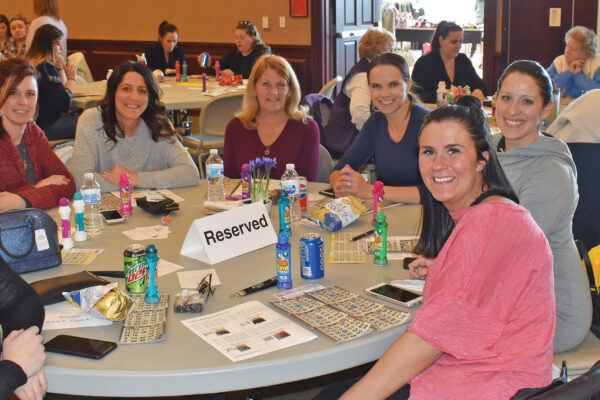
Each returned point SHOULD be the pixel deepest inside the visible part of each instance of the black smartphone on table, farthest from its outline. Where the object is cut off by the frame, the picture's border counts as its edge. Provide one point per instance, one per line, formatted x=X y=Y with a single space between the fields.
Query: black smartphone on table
x=327 y=192
x=112 y=216
x=80 y=346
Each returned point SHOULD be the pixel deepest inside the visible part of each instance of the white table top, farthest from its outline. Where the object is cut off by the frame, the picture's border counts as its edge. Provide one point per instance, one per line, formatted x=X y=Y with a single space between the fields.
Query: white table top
x=176 y=95
x=184 y=364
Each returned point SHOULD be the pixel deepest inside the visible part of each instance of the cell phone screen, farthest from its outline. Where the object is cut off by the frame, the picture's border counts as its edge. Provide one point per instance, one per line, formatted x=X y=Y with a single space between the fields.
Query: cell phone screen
x=111 y=214
x=395 y=293
x=327 y=192
x=79 y=346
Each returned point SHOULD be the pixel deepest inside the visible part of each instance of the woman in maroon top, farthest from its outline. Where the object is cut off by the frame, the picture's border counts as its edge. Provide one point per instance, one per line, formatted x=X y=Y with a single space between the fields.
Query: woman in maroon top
x=272 y=124
x=32 y=175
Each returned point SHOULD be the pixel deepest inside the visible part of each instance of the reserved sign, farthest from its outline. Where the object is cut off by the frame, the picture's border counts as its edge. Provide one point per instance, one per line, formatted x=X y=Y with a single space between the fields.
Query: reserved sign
x=229 y=234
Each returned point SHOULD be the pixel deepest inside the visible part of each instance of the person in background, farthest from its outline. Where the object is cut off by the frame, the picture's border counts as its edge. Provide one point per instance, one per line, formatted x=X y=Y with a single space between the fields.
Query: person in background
x=55 y=87
x=15 y=47
x=272 y=124
x=489 y=276
x=249 y=48
x=578 y=70
x=22 y=354
x=446 y=63
x=129 y=133
x=390 y=135
x=352 y=106
x=543 y=174
x=162 y=55
x=4 y=34
x=48 y=12
x=32 y=174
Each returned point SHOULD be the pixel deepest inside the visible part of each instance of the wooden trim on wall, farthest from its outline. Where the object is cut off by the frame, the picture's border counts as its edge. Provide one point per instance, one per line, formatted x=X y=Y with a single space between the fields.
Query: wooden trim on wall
x=320 y=39
x=101 y=55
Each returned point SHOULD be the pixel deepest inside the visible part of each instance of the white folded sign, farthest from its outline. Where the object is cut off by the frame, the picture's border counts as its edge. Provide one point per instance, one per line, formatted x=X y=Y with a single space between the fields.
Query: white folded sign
x=229 y=234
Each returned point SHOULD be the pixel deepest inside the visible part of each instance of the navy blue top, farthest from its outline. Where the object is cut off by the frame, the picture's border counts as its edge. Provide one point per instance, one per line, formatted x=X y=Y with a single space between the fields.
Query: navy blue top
x=54 y=98
x=396 y=164
x=155 y=58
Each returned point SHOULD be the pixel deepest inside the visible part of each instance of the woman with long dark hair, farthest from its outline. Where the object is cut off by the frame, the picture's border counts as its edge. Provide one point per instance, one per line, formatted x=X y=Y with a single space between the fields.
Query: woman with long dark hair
x=48 y=12
x=162 y=55
x=130 y=133
x=46 y=55
x=486 y=325
x=446 y=63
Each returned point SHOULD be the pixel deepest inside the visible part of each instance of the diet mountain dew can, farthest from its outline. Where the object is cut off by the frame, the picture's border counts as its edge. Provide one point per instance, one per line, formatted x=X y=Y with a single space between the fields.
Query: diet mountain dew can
x=136 y=269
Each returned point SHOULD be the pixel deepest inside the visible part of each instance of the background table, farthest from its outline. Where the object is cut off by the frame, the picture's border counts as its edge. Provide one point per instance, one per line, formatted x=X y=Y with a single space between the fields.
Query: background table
x=184 y=363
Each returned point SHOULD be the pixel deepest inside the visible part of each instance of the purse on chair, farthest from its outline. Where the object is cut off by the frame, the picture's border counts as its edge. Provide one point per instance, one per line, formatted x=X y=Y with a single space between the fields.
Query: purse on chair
x=595 y=293
x=29 y=240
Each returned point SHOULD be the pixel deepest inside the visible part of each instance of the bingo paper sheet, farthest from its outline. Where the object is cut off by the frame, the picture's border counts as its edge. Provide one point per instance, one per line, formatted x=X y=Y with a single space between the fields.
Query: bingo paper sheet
x=345 y=251
x=145 y=323
x=79 y=256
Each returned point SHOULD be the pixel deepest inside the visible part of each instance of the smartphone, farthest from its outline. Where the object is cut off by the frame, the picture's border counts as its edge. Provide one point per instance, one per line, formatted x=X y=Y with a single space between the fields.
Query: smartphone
x=408 y=260
x=112 y=216
x=327 y=192
x=80 y=346
x=395 y=294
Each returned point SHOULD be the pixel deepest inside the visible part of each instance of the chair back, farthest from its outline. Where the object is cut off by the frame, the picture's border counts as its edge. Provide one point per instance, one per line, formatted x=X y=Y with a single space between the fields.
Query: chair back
x=218 y=111
x=329 y=87
x=319 y=107
x=325 y=165
x=586 y=221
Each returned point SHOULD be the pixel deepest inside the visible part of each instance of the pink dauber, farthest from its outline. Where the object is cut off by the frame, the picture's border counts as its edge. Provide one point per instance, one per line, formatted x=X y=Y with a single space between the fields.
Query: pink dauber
x=377 y=198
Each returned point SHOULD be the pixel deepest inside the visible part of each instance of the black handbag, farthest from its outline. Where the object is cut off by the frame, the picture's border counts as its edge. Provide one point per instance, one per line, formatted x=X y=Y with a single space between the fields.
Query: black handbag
x=29 y=240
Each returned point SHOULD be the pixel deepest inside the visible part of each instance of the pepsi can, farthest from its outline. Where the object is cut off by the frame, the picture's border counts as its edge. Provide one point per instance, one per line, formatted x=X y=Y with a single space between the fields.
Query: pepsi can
x=204 y=60
x=311 y=256
x=303 y=199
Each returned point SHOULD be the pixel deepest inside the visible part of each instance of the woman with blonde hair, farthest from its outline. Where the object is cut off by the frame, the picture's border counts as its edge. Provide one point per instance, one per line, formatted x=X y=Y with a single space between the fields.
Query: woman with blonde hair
x=352 y=106
x=578 y=70
x=49 y=13
x=272 y=123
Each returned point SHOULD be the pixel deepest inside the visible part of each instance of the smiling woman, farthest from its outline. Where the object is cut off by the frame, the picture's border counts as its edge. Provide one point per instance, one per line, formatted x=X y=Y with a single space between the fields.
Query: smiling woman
x=130 y=133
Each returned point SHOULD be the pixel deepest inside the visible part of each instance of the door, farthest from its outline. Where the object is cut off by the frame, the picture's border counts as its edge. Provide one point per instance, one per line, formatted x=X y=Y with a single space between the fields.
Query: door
x=352 y=18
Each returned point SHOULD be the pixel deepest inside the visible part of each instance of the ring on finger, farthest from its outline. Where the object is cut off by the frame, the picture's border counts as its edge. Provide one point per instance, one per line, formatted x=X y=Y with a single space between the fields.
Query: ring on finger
x=349 y=184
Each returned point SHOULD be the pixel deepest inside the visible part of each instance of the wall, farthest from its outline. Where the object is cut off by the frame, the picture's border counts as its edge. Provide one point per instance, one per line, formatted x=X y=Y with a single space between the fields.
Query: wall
x=198 y=21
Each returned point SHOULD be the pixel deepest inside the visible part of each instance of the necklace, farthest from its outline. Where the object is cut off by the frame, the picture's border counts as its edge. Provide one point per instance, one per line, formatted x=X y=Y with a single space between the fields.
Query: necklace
x=267 y=150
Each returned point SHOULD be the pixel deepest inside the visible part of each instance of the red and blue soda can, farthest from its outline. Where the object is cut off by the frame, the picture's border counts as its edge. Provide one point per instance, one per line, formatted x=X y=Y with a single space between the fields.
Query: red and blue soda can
x=204 y=60
x=311 y=256
x=303 y=199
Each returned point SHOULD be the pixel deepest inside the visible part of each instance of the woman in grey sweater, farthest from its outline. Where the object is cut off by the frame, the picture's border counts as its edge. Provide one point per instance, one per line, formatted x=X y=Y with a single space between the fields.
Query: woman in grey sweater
x=543 y=175
x=129 y=132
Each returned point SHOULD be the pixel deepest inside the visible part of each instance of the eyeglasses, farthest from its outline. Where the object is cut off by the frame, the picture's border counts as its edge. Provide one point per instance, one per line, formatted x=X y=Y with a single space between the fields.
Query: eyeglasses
x=248 y=25
x=204 y=288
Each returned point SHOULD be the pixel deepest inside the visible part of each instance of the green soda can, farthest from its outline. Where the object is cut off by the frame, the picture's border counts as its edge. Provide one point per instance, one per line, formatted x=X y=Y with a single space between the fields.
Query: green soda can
x=380 y=244
x=136 y=269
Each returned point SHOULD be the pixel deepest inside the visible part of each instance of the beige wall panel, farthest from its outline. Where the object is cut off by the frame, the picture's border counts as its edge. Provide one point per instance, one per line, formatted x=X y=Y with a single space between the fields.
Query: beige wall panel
x=197 y=20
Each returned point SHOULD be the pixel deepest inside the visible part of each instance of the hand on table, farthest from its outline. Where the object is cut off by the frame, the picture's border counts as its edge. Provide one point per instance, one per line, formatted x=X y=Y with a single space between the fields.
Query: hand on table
x=53 y=180
x=226 y=73
x=25 y=348
x=576 y=66
x=35 y=387
x=11 y=201
x=114 y=175
x=170 y=71
x=350 y=182
x=419 y=268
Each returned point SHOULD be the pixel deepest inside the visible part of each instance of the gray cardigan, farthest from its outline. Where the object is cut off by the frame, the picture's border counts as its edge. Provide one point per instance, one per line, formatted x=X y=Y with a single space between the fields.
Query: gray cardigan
x=163 y=164
x=544 y=178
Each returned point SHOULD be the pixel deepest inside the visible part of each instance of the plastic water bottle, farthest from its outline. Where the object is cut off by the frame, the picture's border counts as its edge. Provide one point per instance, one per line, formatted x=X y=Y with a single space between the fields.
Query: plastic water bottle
x=92 y=197
x=290 y=182
x=214 y=175
x=441 y=93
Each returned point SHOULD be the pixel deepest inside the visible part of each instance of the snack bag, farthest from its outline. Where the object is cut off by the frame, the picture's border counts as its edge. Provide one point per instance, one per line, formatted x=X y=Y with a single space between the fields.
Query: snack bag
x=338 y=213
x=102 y=301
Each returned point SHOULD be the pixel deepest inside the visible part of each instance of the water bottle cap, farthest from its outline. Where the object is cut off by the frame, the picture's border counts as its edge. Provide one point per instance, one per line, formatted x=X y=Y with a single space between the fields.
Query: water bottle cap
x=290 y=166
x=88 y=175
x=283 y=238
x=213 y=151
x=78 y=196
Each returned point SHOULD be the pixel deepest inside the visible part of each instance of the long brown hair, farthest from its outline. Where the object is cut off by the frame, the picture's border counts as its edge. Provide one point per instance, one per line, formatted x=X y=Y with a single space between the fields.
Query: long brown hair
x=47 y=7
x=12 y=73
x=154 y=115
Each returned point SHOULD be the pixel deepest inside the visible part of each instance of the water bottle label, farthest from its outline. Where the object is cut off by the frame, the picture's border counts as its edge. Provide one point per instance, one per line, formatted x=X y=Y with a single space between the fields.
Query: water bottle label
x=214 y=170
x=291 y=187
x=92 y=196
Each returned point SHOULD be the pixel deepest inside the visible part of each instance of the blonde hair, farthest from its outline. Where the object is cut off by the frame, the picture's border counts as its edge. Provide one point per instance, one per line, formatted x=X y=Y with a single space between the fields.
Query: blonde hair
x=585 y=37
x=374 y=42
x=47 y=7
x=251 y=107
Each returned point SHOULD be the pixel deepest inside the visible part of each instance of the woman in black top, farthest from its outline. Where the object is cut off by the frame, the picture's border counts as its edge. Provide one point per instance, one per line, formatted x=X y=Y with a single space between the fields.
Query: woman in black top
x=22 y=353
x=445 y=63
x=249 y=48
x=162 y=55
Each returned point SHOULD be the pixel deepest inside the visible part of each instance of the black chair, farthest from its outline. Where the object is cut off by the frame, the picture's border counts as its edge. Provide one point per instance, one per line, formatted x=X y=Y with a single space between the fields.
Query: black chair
x=586 y=221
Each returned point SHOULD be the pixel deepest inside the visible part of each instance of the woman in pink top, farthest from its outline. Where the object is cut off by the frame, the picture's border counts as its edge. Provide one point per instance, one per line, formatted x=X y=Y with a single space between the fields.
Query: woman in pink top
x=486 y=325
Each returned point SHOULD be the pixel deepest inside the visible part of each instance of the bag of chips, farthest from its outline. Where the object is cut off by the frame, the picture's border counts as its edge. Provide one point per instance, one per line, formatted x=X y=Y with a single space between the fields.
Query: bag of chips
x=103 y=301
x=338 y=213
